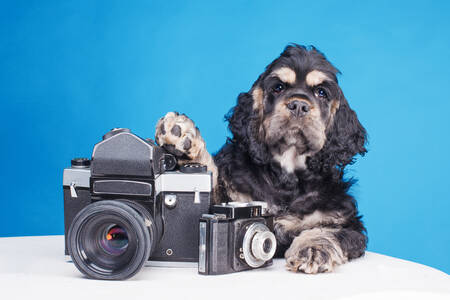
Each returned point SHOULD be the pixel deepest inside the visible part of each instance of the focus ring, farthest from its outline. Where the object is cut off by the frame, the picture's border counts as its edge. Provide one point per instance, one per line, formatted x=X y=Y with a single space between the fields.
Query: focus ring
x=249 y=244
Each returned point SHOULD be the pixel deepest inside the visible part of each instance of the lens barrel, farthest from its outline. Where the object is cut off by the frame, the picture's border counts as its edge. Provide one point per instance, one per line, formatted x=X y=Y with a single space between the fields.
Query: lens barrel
x=263 y=245
x=259 y=245
x=111 y=239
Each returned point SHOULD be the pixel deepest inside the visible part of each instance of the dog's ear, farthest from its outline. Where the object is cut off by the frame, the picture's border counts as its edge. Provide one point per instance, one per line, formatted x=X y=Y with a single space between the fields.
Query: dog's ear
x=245 y=125
x=346 y=137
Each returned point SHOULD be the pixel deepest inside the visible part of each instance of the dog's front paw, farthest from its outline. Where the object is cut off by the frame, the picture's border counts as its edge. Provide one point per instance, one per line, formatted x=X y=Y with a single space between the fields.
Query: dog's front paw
x=178 y=135
x=314 y=251
x=310 y=260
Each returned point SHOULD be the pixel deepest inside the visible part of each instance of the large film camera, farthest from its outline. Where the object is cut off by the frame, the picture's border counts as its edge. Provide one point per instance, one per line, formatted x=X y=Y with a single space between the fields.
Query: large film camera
x=128 y=205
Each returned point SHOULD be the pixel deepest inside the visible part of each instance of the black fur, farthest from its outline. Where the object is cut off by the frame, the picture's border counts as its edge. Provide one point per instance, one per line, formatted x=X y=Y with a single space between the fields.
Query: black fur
x=246 y=165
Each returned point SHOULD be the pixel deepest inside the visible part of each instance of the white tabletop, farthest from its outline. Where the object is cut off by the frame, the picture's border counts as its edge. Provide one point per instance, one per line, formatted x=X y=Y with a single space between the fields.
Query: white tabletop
x=35 y=267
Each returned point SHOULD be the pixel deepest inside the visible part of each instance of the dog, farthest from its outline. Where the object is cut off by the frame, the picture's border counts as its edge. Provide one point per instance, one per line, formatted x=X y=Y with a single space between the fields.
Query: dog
x=293 y=134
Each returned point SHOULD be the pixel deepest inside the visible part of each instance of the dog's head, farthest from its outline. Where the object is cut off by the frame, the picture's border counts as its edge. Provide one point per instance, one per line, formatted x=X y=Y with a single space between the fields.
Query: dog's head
x=296 y=115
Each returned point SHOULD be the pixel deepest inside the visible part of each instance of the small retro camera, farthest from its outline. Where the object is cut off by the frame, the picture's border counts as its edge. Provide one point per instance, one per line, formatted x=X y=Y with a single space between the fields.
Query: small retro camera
x=235 y=237
x=129 y=204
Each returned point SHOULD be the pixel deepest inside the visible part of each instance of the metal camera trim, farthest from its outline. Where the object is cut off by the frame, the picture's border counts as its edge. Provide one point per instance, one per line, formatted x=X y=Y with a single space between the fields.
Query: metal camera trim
x=253 y=242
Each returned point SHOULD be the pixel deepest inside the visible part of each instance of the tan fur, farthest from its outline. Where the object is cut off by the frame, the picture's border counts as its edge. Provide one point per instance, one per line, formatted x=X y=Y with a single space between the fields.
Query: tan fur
x=234 y=195
x=206 y=159
x=258 y=105
x=316 y=219
x=285 y=74
x=258 y=97
x=333 y=109
x=316 y=122
x=238 y=197
x=315 y=77
x=314 y=241
x=290 y=160
x=280 y=112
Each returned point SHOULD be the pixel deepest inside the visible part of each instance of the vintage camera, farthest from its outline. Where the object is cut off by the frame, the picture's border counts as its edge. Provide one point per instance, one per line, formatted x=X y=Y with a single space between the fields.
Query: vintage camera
x=128 y=205
x=235 y=237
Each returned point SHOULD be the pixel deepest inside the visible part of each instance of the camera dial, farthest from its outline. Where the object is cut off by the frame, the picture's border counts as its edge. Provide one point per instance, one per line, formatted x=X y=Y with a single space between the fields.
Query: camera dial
x=80 y=163
x=193 y=168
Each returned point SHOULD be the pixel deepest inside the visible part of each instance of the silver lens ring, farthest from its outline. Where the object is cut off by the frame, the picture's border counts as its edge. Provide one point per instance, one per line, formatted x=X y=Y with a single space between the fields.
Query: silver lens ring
x=253 y=245
x=264 y=245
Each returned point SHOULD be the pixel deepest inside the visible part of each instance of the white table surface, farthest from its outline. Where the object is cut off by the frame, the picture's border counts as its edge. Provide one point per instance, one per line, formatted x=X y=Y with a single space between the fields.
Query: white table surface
x=36 y=268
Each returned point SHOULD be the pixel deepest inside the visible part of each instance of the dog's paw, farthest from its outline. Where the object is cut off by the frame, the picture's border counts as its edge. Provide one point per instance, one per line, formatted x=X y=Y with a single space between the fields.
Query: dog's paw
x=179 y=135
x=310 y=260
x=314 y=251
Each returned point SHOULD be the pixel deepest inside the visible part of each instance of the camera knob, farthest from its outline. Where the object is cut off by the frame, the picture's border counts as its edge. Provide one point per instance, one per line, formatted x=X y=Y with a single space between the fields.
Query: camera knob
x=170 y=200
x=81 y=163
x=169 y=162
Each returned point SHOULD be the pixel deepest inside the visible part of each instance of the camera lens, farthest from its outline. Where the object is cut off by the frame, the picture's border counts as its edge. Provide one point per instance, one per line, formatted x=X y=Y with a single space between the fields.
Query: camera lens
x=267 y=246
x=263 y=244
x=115 y=240
x=111 y=239
x=259 y=245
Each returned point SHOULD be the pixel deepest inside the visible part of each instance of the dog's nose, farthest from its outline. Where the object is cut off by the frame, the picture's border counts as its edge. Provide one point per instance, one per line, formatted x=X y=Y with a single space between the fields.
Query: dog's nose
x=298 y=107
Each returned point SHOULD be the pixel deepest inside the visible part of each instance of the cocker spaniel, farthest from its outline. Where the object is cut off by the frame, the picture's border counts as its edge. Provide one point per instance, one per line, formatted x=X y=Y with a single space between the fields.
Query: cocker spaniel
x=293 y=134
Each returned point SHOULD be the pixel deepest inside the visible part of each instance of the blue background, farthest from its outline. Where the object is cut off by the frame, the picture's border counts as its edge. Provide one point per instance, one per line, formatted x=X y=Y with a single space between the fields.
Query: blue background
x=71 y=70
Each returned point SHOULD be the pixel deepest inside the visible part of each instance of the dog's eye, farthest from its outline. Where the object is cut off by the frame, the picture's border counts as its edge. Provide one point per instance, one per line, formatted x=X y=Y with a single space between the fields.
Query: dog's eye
x=321 y=93
x=278 y=88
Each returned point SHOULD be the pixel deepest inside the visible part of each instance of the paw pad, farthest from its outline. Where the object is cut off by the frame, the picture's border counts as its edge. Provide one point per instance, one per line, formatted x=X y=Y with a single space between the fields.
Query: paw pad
x=187 y=144
x=176 y=130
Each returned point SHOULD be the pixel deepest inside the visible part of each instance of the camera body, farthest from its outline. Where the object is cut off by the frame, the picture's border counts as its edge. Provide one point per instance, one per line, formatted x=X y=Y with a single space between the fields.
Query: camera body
x=235 y=237
x=128 y=205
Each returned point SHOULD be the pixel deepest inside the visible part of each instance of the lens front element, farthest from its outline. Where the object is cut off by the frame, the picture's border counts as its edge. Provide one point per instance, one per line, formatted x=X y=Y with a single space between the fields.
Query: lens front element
x=114 y=240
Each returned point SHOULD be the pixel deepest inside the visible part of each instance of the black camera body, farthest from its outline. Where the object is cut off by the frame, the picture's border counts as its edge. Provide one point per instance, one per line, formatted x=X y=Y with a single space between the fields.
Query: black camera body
x=235 y=237
x=128 y=205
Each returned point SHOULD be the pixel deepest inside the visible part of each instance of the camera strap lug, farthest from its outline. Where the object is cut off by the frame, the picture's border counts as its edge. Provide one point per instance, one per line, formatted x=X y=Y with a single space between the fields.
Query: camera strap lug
x=73 y=192
x=196 y=196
